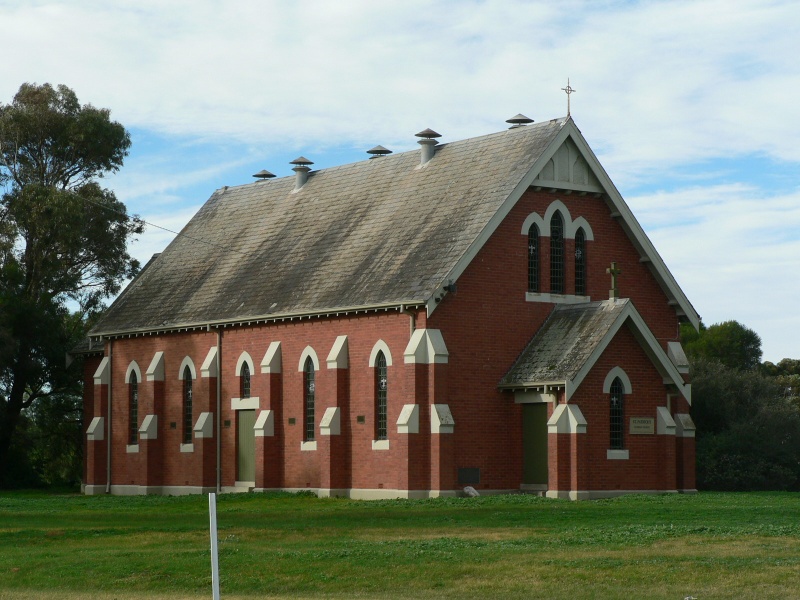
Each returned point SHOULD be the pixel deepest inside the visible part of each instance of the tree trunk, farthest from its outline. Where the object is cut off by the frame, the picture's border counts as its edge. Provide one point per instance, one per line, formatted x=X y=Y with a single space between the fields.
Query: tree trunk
x=9 y=419
x=11 y=410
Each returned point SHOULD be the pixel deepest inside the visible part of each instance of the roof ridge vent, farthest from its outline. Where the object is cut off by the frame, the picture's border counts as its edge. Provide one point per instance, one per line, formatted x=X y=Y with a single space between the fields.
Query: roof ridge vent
x=264 y=174
x=518 y=120
x=428 y=143
x=378 y=151
x=301 y=170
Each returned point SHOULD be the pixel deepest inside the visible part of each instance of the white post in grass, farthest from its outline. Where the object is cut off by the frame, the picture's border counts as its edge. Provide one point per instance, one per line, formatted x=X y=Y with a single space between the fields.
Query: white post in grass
x=212 y=514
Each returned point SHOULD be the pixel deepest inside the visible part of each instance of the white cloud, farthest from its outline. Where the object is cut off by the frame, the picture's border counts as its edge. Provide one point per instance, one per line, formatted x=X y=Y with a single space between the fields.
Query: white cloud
x=664 y=89
x=657 y=81
x=735 y=251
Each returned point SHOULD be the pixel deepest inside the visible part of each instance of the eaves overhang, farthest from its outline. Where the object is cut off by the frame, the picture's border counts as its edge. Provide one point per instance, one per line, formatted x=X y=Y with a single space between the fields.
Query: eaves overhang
x=629 y=316
x=647 y=252
x=658 y=357
x=535 y=386
x=255 y=320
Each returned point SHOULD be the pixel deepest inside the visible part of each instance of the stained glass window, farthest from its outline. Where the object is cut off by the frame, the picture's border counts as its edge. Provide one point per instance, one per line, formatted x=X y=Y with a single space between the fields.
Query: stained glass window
x=244 y=378
x=187 y=405
x=617 y=414
x=580 y=263
x=309 y=388
x=533 y=258
x=381 y=389
x=557 y=254
x=133 y=409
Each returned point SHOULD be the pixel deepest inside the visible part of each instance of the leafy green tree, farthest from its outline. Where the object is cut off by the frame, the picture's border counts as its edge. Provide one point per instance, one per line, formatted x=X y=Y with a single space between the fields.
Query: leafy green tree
x=730 y=343
x=748 y=432
x=63 y=241
x=786 y=374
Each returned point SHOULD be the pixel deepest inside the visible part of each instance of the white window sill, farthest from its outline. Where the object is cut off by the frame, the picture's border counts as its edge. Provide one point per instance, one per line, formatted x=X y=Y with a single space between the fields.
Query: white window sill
x=380 y=444
x=187 y=447
x=308 y=446
x=556 y=298
x=617 y=455
x=132 y=448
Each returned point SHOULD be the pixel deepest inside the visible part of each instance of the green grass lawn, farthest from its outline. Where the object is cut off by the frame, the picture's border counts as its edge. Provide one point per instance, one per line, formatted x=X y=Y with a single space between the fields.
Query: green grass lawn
x=672 y=546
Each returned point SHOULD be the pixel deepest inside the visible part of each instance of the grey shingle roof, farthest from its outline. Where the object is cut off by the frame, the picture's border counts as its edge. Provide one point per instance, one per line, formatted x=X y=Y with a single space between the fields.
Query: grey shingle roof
x=564 y=343
x=375 y=232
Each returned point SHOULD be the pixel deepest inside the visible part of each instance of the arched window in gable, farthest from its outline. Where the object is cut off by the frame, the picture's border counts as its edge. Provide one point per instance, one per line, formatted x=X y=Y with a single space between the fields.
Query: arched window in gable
x=557 y=254
x=617 y=414
x=244 y=381
x=533 y=258
x=381 y=391
x=309 y=388
x=133 y=408
x=580 y=262
x=187 y=405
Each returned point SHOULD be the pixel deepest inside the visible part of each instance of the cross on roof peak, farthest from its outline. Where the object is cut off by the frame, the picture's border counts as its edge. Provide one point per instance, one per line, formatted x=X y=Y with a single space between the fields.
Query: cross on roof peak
x=568 y=90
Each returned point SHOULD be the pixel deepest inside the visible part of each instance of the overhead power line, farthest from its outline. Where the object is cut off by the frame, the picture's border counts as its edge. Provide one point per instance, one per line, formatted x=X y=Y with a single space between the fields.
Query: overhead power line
x=176 y=233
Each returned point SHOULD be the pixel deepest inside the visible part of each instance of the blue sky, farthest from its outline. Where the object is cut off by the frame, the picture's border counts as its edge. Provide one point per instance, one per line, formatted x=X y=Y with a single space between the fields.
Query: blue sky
x=691 y=106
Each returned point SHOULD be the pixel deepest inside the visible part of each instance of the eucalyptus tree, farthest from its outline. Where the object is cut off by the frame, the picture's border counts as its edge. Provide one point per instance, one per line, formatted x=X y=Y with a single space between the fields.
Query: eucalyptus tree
x=63 y=241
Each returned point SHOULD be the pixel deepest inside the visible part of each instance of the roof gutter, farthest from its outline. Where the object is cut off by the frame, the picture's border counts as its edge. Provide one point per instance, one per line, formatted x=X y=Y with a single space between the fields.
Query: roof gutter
x=331 y=312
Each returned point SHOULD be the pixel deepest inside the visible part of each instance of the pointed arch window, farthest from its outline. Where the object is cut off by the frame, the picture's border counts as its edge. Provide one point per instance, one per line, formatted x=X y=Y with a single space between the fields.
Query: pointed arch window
x=533 y=258
x=244 y=381
x=580 y=262
x=557 y=254
x=309 y=389
x=133 y=409
x=187 y=405
x=381 y=391
x=617 y=414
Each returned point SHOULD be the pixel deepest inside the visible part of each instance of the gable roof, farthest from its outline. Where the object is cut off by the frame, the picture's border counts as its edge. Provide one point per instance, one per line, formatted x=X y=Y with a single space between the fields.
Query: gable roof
x=574 y=337
x=363 y=236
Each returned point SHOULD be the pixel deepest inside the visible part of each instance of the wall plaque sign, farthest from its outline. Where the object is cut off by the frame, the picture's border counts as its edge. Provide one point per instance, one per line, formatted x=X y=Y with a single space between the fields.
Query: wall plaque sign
x=643 y=426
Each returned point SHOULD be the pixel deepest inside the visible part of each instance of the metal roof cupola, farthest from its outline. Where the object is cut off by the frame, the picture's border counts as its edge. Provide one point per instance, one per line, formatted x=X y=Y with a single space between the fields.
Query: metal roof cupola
x=301 y=170
x=378 y=151
x=519 y=120
x=263 y=175
x=428 y=143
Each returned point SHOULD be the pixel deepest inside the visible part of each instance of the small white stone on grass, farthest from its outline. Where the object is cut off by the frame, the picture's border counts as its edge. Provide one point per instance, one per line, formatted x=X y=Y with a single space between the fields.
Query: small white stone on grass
x=471 y=492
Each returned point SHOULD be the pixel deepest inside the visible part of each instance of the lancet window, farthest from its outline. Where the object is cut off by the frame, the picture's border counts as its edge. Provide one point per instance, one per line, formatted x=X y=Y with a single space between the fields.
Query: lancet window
x=580 y=262
x=381 y=390
x=133 y=408
x=187 y=405
x=533 y=258
x=617 y=414
x=557 y=254
x=309 y=389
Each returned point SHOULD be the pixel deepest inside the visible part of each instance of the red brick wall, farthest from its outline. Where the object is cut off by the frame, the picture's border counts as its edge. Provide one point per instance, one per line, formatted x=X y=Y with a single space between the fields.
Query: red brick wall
x=94 y=405
x=163 y=399
x=488 y=322
x=485 y=325
x=651 y=465
x=352 y=463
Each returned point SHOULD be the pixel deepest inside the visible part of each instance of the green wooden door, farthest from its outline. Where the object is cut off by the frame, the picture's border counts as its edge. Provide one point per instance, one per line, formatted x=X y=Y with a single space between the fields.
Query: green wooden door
x=534 y=441
x=246 y=446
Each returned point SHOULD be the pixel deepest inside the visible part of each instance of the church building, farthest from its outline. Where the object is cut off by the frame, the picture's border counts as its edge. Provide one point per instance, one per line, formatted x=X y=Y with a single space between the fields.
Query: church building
x=485 y=312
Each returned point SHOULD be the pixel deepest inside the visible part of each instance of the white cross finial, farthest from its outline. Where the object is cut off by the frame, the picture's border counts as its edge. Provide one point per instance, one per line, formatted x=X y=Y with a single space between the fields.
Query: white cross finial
x=568 y=90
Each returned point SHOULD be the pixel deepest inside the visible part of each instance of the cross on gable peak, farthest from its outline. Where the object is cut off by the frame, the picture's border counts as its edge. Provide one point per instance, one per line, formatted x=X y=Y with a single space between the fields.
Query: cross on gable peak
x=568 y=90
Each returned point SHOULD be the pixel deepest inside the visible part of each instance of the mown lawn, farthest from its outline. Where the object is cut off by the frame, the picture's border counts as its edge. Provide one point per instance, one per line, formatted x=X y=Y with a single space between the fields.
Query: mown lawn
x=670 y=546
